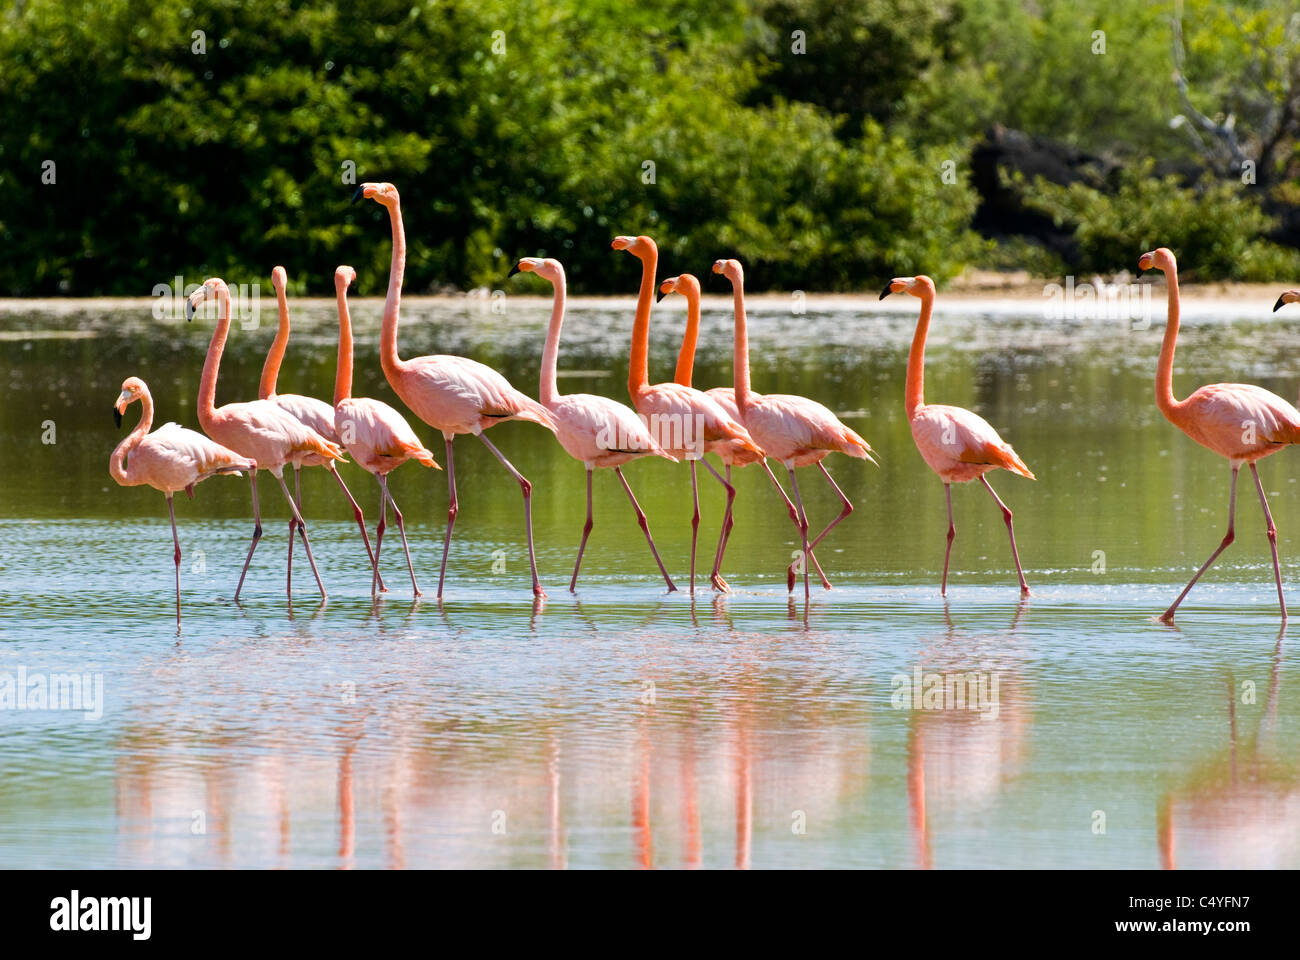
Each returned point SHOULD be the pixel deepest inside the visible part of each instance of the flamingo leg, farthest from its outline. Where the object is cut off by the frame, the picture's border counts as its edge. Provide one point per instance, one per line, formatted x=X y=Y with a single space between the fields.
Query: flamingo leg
x=695 y=521
x=302 y=530
x=176 y=541
x=844 y=512
x=452 y=509
x=360 y=518
x=1168 y=615
x=794 y=515
x=803 y=529
x=728 y=521
x=401 y=528
x=1011 y=532
x=379 y=531
x=293 y=526
x=952 y=534
x=257 y=532
x=645 y=528
x=527 y=488
x=586 y=532
x=1272 y=539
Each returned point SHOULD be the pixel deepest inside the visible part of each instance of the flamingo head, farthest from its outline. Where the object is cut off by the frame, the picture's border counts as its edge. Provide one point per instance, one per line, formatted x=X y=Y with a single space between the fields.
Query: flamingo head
x=384 y=193
x=641 y=246
x=344 y=277
x=195 y=300
x=731 y=269
x=133 y=389
x=1288 y=296
x=918 y=286
x=546 y=268
x=1161 y=258
x=279 y=279
x=686 y=284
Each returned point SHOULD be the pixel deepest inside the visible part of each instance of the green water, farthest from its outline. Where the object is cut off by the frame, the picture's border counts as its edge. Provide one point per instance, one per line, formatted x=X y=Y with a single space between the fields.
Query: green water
x=626 y=726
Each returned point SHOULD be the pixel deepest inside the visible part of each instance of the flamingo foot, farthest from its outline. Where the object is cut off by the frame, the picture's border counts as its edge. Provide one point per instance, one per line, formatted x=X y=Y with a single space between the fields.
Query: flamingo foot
x=719 y=584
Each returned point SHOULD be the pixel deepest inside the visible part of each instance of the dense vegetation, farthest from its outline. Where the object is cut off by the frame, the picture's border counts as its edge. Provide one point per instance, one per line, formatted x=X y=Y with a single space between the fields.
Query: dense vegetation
x=827 y=144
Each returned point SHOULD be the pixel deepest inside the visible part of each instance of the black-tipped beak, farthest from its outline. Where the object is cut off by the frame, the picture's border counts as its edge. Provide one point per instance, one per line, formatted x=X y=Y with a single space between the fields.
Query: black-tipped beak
x=117 y=416
x=886 y=292
x=659 y=295
x=513 y=271
x=358 y=194
x=1278 y=306
x=1139 y=273
x=189 y=310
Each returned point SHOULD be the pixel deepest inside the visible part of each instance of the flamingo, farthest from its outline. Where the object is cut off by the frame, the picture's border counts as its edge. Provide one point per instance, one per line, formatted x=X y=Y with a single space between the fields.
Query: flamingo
x=598 y=431
x=169 y=459
x=795 y=431
x=732 y=454
x=956 y=444
x=452 y=394
x=258 y=429
x=694 y=421
x=316 y=414
x=1239 y=421
x=377 y=436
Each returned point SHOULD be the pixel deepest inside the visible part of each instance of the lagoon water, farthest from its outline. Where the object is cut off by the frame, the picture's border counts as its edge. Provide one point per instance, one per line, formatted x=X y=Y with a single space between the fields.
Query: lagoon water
x=627 y=727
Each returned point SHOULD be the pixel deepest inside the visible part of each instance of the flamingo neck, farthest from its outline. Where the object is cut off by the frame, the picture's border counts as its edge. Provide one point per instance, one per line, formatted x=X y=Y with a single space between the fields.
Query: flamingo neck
x=686 y=355
x=547 y=392
x=117 y=467
x=343 y=371
x=915 y=392
x=275 y=356
x=740 y=375
x=1165 y=371
x=638 y=377
x=212 y=365
x=388 y=358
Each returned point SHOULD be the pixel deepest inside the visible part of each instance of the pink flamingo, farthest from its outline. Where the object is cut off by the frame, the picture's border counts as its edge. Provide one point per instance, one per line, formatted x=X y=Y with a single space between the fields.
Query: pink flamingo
x=316 y=414
x=795 y=431
x=452 y=394
x=169 y=459
x=258 y=429
x=732 y=454
x=598 y=431
x=1239 y=421
x=958 y=445
x=689 y=421
x=377 y=436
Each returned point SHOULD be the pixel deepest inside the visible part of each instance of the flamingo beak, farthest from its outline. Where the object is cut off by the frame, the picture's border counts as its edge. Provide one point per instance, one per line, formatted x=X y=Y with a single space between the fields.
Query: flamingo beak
x=358 y=194
x=119 y=408
x=117 y=416
x=1278 y=306
x=659 y=295
x=513 y=271
x=189 y=310
x=888 y=290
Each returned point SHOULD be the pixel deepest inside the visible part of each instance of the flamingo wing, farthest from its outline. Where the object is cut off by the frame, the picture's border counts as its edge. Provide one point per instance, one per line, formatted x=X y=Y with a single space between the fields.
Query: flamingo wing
x=371 y=428
x=317 y=414
x=949 y=437
x=803 y=425
x=1239 y=420
x=460 y=394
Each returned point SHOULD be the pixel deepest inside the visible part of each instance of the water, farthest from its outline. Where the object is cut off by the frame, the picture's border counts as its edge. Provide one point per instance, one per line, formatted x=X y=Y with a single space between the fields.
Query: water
x=624 y=727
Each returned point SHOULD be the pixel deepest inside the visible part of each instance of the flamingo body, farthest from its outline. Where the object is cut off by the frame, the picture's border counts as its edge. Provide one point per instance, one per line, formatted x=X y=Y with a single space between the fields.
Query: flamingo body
x=378 y=437
x=799 y=432
x=583 y=421
x=174 y=458
x=457 y=395
x=1239 y=421
x=961 y=446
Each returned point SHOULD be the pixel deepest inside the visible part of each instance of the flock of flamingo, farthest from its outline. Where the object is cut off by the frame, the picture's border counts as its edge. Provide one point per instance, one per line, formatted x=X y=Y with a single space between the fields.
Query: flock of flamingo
x=674 y=420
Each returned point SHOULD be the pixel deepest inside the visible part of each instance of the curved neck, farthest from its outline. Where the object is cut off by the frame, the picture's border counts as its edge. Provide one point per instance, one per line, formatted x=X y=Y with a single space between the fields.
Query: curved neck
x=686 y=355
x=117 y=463
x=1165 y=371
x=548 y=393
x=638 y=375
x=388 y=358
x=740 y=375
x=211 y=366
x=915 y=392
x=275 y=356
x=343 y=372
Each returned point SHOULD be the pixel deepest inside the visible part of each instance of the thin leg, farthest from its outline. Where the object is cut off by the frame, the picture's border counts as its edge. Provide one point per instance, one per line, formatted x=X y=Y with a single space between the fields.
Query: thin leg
x=401 y=528
x=1272 y=540
x=293 y=526
x=803 y=529
x=302 y=530
x=844 y=512
x=728 y=521
x=257 y=532
x=360 y=518
x=695 y=521
x=1011 y=532
x=176 y=541
x=794 y=515
x=452 y=510
x=952 y=533
x=645 y=528
x=379 y=532
x=527 y=488
x=1168 y=615
x=586 y=532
